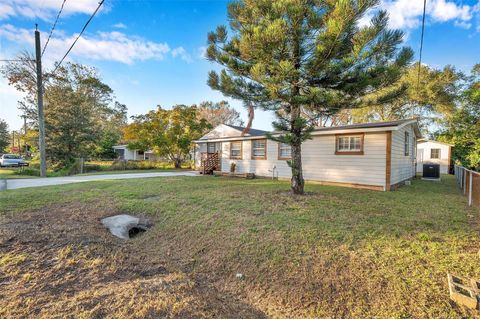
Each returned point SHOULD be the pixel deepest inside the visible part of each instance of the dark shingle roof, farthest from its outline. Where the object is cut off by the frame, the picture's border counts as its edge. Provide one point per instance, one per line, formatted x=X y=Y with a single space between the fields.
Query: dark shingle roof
x=251 y=132
x=363 y=125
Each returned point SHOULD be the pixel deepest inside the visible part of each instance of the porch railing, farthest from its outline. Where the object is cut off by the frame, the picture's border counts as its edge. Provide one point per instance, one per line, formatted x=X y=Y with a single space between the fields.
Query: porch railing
x=469 y=182
x=210 y=162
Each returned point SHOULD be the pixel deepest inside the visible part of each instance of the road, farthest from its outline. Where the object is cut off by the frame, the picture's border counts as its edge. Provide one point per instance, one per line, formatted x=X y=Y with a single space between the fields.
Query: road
x=40 y=182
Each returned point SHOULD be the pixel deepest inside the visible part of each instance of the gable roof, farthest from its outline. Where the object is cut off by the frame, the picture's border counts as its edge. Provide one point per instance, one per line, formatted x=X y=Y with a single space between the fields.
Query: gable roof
x=365 y=125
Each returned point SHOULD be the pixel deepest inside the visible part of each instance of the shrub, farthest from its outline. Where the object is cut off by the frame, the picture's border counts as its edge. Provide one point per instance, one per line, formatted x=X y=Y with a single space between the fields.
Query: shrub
x=27 y=171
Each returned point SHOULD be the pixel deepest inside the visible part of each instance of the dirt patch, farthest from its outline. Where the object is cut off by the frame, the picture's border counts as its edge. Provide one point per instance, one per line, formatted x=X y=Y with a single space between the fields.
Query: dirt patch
x=60 y=262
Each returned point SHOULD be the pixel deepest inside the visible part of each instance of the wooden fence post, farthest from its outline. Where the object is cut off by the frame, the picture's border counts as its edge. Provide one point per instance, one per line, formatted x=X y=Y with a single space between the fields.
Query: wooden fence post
x=470 y=189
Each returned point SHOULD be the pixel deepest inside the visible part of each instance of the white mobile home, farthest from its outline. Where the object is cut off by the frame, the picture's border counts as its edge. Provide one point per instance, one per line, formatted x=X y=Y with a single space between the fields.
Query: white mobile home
x=377 y=156
x=124 y=153
x=433 y=152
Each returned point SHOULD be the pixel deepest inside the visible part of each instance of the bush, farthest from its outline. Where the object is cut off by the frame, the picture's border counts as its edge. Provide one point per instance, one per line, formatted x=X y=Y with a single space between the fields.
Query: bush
x=27 y=171
x=132 y=165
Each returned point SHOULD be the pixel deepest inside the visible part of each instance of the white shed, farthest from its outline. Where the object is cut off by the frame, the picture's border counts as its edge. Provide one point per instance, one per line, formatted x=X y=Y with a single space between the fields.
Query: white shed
x=377 y=156
x=433 y=152
x=124 y=153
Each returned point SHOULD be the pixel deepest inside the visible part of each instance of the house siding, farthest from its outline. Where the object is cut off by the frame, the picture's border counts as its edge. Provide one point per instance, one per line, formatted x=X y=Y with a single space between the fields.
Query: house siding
x=403 y=167
x=319 y=161
x=321 y=164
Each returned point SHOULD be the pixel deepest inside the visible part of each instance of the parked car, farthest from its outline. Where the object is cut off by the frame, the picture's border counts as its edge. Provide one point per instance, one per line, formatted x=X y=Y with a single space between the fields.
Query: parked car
x=12 y=160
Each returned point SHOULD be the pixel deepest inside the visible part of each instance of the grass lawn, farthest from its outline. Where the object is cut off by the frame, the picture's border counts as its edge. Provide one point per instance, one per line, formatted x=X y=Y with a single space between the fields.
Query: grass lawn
x=136 y=171
x=9 y=173
x=334 y=253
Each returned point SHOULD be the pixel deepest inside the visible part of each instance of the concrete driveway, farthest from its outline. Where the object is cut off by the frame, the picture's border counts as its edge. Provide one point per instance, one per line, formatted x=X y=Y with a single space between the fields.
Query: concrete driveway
x=39 y=182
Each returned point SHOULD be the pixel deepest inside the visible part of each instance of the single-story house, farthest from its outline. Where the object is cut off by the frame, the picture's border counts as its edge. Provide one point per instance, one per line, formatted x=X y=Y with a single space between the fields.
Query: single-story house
x=433 y=152
x=124 y=153
x=377 y=156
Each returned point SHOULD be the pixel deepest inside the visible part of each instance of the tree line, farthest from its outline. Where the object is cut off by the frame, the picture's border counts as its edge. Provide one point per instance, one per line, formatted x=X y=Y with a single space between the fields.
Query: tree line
x=83 y=119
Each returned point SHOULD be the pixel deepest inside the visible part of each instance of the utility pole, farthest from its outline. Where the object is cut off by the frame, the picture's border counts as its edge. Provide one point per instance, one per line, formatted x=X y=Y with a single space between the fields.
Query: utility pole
x=13 y=141
x=25 y=135
x=41 y=118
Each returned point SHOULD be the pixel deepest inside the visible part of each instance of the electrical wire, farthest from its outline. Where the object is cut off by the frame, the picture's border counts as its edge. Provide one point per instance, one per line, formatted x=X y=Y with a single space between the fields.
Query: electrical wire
x=79 y=35
x=53 y=27
x=421 y=45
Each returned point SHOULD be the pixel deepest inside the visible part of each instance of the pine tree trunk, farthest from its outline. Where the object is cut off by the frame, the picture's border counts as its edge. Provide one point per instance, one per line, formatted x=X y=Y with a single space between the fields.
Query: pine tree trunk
x=297 y=182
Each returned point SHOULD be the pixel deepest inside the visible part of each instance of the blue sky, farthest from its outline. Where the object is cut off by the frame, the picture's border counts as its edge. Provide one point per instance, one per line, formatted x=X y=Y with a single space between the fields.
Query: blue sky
x=150 y=52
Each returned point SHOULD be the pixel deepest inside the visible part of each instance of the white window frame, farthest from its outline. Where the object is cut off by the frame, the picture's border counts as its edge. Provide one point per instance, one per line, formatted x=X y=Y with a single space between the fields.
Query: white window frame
x=346 y=144
x=264 y=148
x=406 y=144
x=283 y=146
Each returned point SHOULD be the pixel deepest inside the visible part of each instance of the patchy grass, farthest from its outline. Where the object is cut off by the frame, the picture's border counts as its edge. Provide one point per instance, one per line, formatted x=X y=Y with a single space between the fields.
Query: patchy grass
x=10 y=173
x=137 y=171
x=335 y=253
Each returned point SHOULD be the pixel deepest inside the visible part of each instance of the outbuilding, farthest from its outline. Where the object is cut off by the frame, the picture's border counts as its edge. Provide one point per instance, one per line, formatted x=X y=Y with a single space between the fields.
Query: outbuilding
x=433 y=152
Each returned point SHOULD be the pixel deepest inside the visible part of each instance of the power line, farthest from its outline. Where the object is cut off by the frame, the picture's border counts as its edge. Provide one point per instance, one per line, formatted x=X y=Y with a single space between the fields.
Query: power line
x=13 y=60
x=53 y=27
x=79 y=35
x=421 y=45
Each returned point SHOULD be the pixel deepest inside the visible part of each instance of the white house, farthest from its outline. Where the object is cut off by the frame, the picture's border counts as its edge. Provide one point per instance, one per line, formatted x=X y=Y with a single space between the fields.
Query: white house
x=127 y=154
x=433 y=152
x=377 y=156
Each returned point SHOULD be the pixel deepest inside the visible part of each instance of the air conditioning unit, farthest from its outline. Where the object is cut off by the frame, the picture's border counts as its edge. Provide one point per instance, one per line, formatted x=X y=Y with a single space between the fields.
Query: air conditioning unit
x=431 y=171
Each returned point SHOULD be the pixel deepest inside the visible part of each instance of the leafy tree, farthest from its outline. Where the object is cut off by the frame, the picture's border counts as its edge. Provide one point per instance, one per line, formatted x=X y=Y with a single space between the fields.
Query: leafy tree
x=80 y=120
x=112 y=131
x=168 y=133
x=298 y=56
x=436 y=93
x=4 y=136
x=461 y=126
x=219 y=113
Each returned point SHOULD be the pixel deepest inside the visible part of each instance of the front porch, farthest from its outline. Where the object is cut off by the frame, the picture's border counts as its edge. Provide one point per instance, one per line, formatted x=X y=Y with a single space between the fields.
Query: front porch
x=209 y=162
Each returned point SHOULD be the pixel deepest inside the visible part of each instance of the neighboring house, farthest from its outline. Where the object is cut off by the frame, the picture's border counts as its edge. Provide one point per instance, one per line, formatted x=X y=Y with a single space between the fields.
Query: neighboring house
x=433 y=152
x=377 y=156
x=124 y=153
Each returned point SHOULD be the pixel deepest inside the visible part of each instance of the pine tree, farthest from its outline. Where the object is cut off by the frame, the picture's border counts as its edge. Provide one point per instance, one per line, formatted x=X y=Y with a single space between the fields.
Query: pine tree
x=304 y=56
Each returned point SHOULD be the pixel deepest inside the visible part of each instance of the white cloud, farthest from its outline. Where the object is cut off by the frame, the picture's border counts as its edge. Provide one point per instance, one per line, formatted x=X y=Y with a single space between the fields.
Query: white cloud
x=407 y=14
x=9 y=98
x=202 y=52
x=180 y=52
x=462 y=24
x=45 y=9
x=120 y=26
x=111 y=46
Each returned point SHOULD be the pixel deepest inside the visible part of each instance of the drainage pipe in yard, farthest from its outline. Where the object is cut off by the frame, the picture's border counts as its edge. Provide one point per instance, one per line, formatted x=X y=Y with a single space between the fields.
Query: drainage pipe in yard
x=3 y=184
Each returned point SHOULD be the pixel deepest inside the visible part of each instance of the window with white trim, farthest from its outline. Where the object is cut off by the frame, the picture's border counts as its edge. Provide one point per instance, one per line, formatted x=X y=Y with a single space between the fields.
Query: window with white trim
x=407 y=144
x=349 y=144
x=259 y=149
x=284 y=151
x=236 y=150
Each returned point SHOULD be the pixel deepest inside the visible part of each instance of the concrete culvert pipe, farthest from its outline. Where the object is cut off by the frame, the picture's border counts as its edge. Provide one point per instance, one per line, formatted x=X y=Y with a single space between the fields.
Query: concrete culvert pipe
x=126 y=226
